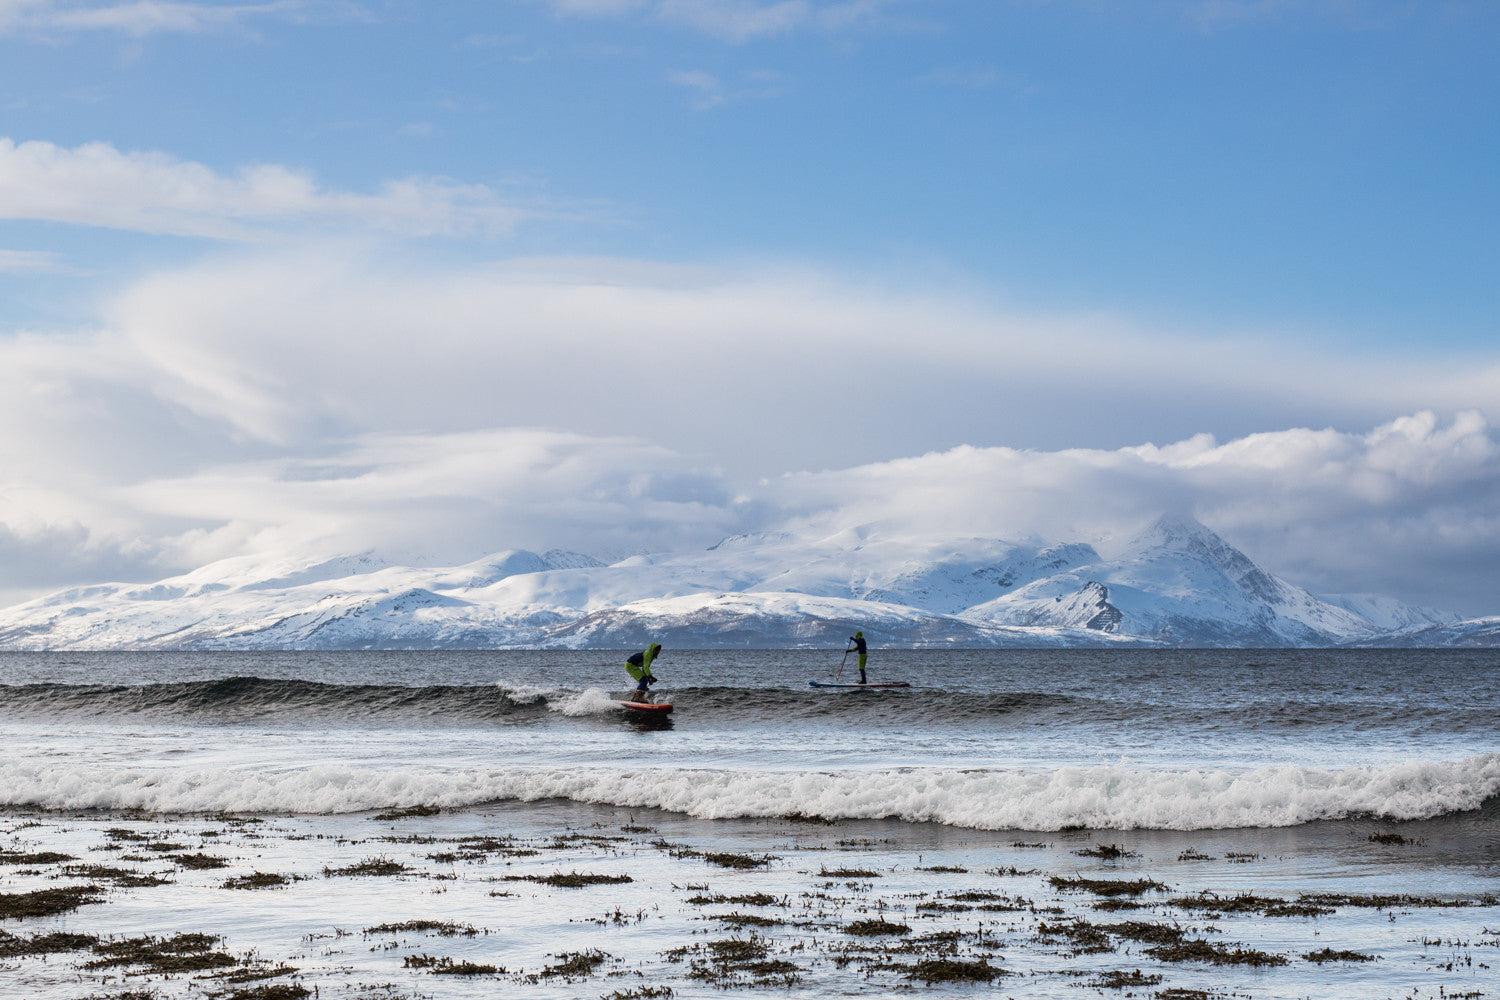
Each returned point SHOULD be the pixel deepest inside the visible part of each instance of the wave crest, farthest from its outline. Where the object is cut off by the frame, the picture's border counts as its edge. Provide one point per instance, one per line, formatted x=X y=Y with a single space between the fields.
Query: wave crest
x=1106 y=797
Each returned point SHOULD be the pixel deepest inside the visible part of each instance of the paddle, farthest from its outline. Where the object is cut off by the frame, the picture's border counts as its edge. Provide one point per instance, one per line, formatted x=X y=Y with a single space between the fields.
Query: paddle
x=841 y=664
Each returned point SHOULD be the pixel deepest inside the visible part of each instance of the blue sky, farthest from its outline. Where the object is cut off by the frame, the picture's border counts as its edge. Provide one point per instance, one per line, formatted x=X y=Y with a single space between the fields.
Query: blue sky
x=753 y=236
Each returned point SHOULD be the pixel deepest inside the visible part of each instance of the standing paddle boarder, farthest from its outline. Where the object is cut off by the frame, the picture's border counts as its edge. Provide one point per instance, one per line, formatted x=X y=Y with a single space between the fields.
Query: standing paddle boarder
x=639 y=667
x=858 y=638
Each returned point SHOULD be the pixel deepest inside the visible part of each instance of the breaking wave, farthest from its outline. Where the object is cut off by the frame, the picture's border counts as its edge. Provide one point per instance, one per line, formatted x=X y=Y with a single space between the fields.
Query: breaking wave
x=263 y=699
x=1105 y=797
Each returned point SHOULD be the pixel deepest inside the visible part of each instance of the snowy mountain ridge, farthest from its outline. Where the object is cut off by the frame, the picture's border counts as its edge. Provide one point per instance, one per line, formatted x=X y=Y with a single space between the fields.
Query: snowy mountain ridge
x=1176 y=584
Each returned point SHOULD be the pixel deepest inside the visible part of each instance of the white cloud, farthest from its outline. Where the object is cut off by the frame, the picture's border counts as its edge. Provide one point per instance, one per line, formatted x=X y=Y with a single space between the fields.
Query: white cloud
x=276 y=401
x=739 y=21
x=96 y=184
x=142 y=17
x=28 y=261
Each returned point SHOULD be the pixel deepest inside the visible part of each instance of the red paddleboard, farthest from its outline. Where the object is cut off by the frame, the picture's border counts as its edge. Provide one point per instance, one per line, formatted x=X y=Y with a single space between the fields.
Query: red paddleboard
x=646 y=706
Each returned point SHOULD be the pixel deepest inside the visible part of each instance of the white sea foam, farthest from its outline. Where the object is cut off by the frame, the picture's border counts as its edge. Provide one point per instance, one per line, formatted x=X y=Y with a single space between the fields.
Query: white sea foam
x=591 y=701
x=1114 y=797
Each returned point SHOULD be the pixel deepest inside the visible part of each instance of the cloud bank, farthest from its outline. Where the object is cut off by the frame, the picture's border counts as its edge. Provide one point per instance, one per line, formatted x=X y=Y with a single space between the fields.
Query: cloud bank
x=333 y=400
x=96 y=184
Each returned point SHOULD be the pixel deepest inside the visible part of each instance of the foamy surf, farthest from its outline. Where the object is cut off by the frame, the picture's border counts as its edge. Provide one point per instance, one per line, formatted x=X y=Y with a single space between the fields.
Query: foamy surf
x=1104 y=797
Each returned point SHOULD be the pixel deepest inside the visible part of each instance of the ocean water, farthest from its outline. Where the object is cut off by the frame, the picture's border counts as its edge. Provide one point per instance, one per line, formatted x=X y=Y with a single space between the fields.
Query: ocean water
x=1036 y=740
x=1366 y=783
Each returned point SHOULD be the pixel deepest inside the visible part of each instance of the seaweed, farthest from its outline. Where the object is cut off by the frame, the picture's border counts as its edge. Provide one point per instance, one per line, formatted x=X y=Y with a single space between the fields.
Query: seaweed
x=1119 y=980
x=36 y=858
x=442 y=965
x=1215 y=954
x=952 y=970
x=1109 y=852
x=571 y=880
x=199 y=862
x=379 y=865
x=1329 y=955
x=738 y=861
x=575 y=965
x=440 y=927
x=191 y=952
x=1145 y=932
x=1107 y=887
x=745 y=920
x=749 y=899
x=872 y=928
x=1085 y=938
x=45 y=944
x=120 y=878
x=46 y=902
x=259 y=880
x=407 y=813
x=847 y=873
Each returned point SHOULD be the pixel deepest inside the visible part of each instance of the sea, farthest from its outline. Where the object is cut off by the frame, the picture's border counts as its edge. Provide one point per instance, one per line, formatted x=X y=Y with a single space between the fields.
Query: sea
x=1364 y=785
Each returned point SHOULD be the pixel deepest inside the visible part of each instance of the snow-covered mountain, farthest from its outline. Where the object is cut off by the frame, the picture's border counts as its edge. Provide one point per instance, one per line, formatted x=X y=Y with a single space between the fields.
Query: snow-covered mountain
x=1180 y=584
x=1176 y=584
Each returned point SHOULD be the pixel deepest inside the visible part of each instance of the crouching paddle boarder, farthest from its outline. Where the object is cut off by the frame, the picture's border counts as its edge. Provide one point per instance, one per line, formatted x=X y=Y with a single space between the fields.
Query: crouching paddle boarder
x=639 y=667
x=858 y=639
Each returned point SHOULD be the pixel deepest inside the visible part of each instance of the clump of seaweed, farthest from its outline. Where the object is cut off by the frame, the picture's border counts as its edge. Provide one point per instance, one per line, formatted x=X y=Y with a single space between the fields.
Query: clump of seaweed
x=944 y=869
x=847 y=873
x=731 y=961
x=1120 y=980
x=1394 y=839
x=443 y=965
x=952 y=970
x=120 y=878
x=1108 y=852
x=1084 y=937
x=259 y=880
x=1107 y=886
x=577 y=965
x=199 y=862
x=270 y=991
x=407 y=813
x=442 y=928
x=1214 y=954
x=12 y=946
x=191 y=952
x=640 y=993
x=571 y=880
x=749 y=899
x=46 y=902
x=379 y=865
x=35 y=858
x=1145 y=932
x=1329 y=955
x=745 y=920
x=873 y=928
x=737 y=861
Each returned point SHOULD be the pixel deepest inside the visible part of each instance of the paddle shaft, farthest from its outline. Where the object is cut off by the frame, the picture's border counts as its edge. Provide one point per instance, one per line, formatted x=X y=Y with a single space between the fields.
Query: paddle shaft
x=841 y=664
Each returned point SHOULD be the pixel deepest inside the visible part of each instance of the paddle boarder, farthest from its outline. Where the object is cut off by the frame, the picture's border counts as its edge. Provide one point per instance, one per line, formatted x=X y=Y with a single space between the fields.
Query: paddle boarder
x=639 y=667
x=858 y=639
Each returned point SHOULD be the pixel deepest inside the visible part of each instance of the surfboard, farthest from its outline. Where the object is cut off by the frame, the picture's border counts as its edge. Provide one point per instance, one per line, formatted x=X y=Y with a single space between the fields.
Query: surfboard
x=887 y=684
x=646 y=706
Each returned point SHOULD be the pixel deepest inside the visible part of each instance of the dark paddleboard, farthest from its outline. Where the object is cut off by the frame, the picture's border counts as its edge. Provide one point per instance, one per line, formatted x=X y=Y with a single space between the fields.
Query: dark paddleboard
x=888 y=684
x=646 y=706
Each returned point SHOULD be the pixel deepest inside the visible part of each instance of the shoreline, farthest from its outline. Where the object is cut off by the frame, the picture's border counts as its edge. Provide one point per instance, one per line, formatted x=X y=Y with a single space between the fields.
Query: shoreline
x=558 y=898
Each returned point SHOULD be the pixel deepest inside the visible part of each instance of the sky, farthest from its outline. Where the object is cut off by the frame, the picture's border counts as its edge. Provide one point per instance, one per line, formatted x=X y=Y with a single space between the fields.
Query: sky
x=320 y=276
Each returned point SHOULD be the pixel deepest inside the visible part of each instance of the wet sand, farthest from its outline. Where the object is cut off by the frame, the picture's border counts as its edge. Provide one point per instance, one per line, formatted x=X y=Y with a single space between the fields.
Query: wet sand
x=559 y=899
